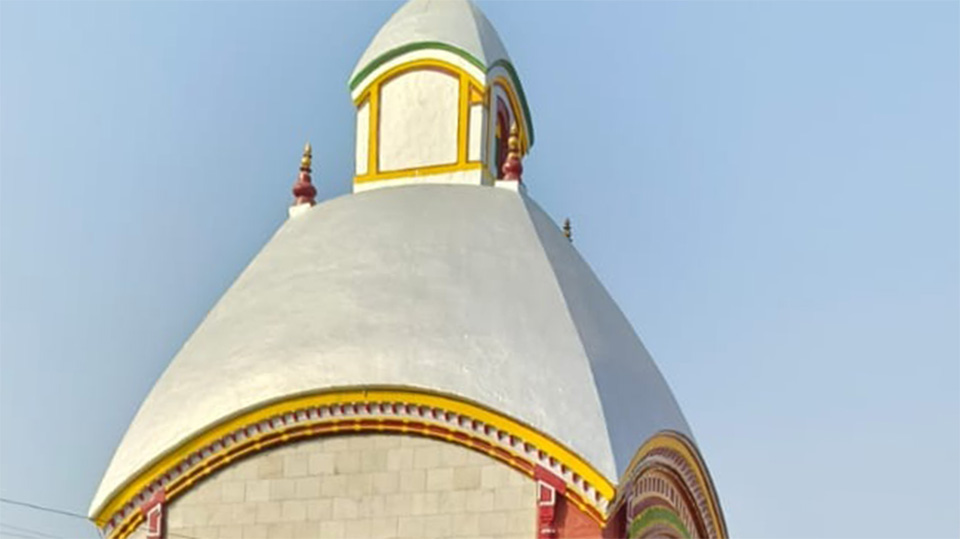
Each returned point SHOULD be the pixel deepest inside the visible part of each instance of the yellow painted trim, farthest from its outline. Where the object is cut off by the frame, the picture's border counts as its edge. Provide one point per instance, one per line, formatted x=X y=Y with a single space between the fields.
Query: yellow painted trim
x=517 y=111
x=463 y=119
x=373 y=139
x=360 y=98
x=204 y=439
x=424 y=63
x=677 y=442
x=415 y=172
x=476 y=94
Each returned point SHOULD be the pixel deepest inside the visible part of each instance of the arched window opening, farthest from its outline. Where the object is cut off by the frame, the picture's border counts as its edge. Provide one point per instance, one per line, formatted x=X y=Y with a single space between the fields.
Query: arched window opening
x=502 y=134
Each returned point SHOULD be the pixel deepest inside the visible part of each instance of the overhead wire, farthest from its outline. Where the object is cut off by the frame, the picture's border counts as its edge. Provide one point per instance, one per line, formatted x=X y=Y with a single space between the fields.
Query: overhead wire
x=66 y=514
x=42 y=508
x=27 y=530
x=14 y=534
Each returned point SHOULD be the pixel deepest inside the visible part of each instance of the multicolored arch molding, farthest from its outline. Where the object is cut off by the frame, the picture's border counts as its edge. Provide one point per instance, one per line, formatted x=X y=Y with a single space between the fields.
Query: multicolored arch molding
x=350 y=411
x=667 y=492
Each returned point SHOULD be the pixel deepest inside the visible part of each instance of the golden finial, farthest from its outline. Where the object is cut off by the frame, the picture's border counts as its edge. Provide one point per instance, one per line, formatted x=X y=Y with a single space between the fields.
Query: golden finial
x=307 y=158
x=567 y=230
x=513 y=143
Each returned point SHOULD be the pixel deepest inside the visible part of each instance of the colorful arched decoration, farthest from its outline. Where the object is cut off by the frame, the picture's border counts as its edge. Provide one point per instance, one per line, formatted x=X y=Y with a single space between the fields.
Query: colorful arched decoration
x=405 y=411
x=515 y=111
x=667 y=492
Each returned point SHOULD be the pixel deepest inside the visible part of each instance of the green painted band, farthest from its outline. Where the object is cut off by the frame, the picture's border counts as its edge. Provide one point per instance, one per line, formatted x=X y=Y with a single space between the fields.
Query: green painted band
x=409 y=47
x=657 y=515
x=420 y=45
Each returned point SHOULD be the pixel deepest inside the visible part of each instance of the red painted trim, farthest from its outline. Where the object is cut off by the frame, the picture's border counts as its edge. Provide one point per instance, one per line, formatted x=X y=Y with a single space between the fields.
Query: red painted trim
x=155 y=513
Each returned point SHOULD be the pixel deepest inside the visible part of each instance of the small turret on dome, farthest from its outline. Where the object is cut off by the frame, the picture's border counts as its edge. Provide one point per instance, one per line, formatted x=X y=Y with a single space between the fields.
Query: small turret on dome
x=304 y=193
x=436 y=94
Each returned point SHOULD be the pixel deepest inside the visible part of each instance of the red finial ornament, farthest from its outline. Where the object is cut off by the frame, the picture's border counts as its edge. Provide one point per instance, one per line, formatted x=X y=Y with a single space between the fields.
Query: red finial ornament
x=303 y=191
x=512 y=167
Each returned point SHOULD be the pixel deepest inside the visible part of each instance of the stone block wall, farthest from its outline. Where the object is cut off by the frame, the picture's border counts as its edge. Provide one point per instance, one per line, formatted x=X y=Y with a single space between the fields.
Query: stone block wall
x=359 y=486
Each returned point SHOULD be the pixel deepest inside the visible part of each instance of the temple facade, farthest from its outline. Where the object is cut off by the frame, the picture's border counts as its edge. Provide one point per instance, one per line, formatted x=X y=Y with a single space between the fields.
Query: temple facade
x=428 y=356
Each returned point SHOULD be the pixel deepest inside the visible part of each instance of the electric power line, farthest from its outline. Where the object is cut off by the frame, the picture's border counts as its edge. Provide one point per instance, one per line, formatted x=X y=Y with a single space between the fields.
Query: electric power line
x=13 y=534
x=42 y=508
x=66 y=514
x=21 y=529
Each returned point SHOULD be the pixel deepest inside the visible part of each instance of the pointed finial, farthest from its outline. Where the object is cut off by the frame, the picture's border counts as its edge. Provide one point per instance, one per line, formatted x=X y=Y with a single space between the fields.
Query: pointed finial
x=303 y=190
x=567 y=230
x=512 y=167
x=307 y=158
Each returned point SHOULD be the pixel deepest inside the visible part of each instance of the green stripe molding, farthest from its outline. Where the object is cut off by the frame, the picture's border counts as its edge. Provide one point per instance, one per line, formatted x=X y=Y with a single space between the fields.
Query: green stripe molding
x=420 y=45
x=654 y=515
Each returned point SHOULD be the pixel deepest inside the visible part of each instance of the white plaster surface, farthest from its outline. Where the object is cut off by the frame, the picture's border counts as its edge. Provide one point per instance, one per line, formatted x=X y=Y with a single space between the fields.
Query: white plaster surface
x=363 y=137
x=298 y=210
x=419 y=113
x=475 y=132
x=454 y=22
x=466 y=290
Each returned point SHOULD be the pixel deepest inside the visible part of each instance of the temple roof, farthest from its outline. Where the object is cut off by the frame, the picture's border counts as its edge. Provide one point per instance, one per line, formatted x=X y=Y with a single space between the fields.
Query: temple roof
x=451 y=23
x=462 y=290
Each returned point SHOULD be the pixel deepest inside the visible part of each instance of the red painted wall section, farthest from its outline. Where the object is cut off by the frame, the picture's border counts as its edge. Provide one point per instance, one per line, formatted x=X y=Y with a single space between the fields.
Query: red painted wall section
x=155 y=513
x=573 y=523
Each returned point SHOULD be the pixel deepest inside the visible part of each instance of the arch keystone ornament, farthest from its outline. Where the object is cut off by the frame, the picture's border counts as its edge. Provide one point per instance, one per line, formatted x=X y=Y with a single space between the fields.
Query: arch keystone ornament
x=549 y=490
x=435 y=319
x=154 y=513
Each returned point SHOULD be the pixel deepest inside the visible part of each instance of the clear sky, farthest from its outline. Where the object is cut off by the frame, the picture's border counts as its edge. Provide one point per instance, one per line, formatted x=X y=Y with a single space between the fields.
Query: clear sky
x=769 y=190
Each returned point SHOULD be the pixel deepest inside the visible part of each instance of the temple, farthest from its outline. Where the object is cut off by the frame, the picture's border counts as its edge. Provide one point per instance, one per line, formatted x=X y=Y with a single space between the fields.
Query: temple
x=428 y=356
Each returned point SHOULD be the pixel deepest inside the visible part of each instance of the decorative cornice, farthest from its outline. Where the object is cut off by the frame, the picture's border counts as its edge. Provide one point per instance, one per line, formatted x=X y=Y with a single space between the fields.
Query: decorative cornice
x=350 y=411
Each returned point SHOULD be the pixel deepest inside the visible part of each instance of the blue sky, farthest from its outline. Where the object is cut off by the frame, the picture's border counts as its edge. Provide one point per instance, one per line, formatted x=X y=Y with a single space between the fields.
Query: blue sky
x=769 y=190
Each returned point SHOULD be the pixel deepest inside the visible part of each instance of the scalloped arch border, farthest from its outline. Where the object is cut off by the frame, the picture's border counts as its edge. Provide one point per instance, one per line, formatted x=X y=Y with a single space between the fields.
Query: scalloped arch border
x=300 y=417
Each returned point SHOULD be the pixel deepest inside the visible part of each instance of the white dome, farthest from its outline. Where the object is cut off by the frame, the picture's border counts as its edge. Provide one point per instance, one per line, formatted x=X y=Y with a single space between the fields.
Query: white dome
x=466 y=291
x=455 y=23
